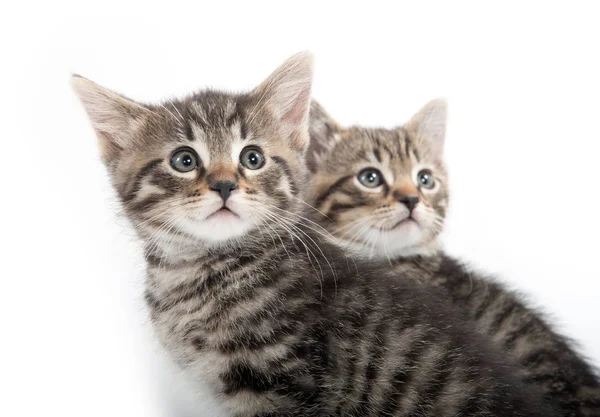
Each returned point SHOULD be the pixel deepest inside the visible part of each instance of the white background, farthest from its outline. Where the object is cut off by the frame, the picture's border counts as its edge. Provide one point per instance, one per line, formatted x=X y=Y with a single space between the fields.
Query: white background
x=523 y=149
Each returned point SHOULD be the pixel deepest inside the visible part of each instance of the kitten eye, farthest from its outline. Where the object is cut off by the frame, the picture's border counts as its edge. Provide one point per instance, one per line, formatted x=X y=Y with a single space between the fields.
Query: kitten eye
x=252 y=158
x=370 y=178
x=425 y=179
x=184 y=160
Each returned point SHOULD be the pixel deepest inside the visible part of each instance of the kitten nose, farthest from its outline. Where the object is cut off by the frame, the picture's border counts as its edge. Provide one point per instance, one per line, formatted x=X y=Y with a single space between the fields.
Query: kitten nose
x=409 y=201
x=224 y=187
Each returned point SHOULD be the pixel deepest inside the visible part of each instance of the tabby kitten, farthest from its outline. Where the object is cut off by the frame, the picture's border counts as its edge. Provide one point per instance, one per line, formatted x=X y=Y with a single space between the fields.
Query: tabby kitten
x=384 y=195
x=245 y=293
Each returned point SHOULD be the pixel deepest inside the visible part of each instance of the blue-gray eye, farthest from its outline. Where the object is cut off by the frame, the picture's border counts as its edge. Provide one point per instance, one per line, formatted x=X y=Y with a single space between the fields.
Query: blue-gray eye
x=425 y=179
x=252 y=158
x=184 y=160
x=370 y=178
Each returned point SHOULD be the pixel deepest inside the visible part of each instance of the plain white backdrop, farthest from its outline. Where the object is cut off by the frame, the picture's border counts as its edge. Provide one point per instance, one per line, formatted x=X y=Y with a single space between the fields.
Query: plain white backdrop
x=523 y=150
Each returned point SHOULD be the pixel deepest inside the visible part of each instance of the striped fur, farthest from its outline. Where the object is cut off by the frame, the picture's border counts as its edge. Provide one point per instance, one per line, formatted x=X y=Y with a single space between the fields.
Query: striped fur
x=258 y=303
x=545 y=357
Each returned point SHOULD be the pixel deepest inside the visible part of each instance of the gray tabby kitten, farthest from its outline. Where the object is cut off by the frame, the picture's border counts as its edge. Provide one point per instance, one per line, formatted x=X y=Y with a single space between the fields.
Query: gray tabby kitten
x=384 y=195
x=246 y=294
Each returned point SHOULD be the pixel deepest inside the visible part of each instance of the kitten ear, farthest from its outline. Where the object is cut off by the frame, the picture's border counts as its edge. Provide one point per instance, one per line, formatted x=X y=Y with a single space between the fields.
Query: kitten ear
x=324 y=133
x=429 y=125
x=114 y=117
x=286 y=92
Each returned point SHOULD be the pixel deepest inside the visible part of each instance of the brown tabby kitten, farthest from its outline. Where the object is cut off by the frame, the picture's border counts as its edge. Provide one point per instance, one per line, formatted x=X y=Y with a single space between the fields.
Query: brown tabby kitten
x=384 y=194
x=244 y=292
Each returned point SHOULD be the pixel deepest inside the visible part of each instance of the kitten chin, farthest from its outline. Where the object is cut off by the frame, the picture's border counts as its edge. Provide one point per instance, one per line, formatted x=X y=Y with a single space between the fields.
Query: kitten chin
x=403 y=241
x=224 y=223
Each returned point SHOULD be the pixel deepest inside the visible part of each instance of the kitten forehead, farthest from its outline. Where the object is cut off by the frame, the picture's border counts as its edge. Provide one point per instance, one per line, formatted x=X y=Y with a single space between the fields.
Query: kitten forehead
x=213 y=122
x=201 y=146
x=376 y=146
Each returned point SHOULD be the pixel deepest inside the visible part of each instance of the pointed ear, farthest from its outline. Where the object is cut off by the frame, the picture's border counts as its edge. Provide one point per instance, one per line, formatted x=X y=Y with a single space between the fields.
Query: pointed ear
x=286 y=92
x=114 y=117
x=324 y=134
x=429 y=125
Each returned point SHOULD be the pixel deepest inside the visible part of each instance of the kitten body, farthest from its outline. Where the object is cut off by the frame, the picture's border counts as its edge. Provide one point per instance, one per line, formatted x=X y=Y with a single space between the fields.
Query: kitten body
x=377 y=223
x=245 y=293
x=547 y=358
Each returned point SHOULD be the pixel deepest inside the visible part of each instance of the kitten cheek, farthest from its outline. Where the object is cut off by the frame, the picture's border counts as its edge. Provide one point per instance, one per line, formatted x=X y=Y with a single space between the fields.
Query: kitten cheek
x=247 y=208
x=425 y=219
x=237 y=202
x=420 y=214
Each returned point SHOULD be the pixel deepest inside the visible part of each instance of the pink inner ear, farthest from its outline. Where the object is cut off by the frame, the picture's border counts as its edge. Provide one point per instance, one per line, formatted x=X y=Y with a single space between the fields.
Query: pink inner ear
x=299 y=111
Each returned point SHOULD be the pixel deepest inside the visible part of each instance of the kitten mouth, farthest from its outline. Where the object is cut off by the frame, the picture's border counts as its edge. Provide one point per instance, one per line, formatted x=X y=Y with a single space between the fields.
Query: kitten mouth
x=223 y=212
x=403 y=222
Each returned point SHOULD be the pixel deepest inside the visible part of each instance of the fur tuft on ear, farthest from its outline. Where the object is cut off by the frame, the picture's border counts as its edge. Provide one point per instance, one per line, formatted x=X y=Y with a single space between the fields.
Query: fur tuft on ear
x=286 y=92
x=429 y=125
x=324 y=134
x=113 y=116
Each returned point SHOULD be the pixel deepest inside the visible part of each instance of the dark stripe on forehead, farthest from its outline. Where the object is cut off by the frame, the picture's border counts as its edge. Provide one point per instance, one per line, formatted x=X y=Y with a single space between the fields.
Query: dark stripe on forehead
x=239 y=111
x=406 y=148
x=286 y=169
x=399 y=145
x=323 y=196
x=199 y=121
x=376 y=143
x=233 y=118
x=388 y=150
x=377 y=154
x=410 y=146
x=146 y=170
x=416 y=154
x=237 y=116
x=243 y=130
x=189 y=131
x=375 y=140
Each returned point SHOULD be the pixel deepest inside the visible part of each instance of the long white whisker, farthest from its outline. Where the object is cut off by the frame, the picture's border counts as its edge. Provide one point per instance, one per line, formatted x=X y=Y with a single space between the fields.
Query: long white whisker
x=316 y=245
x=309 y=252
x=319 y=229
x=267 y=227
x=312 y=207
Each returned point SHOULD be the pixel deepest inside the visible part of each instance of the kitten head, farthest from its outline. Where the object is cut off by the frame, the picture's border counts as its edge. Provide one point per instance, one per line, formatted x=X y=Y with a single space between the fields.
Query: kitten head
x=383 y=192
x=210 y=168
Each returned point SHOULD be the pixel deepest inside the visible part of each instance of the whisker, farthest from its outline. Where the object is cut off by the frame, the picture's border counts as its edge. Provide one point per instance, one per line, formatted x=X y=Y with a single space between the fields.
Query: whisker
x=312 y=207
x=320 y=229
x=286 y=227
x=267 y=227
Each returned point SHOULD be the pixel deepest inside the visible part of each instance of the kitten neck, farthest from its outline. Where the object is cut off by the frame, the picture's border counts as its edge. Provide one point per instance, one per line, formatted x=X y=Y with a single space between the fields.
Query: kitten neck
x=360 y=251
x=183 y=248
